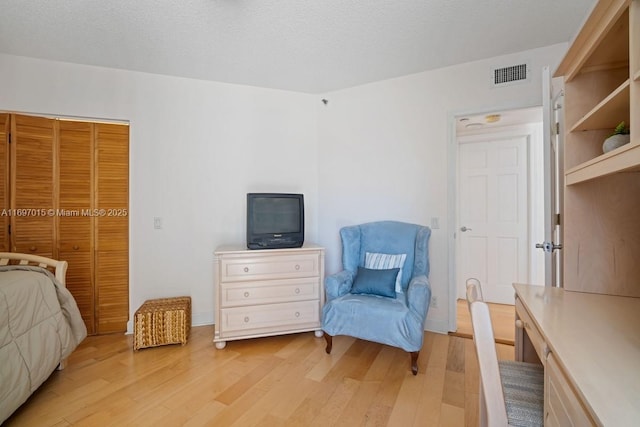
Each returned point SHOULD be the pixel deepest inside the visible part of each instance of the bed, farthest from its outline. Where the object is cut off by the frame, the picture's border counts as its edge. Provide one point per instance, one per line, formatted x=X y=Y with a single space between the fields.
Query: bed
x=40 y=325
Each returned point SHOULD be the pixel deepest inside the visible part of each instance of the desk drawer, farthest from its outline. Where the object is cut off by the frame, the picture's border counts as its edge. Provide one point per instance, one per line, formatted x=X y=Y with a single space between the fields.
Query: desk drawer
x=562 y=407
x=524 y=321
x=267 y=292
x=269 y=267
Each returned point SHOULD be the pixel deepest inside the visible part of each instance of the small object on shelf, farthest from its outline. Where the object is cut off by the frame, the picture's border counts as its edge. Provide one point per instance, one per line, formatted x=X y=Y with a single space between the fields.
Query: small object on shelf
x=618 y=138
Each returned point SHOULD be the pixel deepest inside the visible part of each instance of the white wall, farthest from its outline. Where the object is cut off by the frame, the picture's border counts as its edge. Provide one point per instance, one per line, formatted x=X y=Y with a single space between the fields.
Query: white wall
x=377 y=151
x=196 y=149
x=384 y=153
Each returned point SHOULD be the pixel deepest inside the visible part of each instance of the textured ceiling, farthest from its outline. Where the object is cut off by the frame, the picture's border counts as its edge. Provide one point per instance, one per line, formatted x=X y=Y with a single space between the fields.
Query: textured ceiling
x=310 y=46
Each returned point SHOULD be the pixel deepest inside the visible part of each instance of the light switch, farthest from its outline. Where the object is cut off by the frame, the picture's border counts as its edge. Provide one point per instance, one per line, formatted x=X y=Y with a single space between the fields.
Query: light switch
x=435 y=223
x=157 y=223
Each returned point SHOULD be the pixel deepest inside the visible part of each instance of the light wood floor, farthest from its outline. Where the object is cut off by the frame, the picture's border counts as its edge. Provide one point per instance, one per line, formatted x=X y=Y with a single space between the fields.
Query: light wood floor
x=503 y=318
x=277 y=381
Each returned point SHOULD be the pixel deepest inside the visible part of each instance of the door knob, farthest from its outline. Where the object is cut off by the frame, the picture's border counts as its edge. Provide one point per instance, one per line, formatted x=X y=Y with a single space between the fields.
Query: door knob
x=548 y=246
x=463 y=229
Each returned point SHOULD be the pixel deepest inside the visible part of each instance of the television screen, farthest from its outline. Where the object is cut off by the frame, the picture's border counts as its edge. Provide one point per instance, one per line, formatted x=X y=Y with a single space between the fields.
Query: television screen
x=275 y=220
x=276 y=215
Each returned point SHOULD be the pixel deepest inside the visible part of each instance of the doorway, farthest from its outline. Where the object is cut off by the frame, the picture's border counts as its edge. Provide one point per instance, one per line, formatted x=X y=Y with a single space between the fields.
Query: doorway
x=499 y=201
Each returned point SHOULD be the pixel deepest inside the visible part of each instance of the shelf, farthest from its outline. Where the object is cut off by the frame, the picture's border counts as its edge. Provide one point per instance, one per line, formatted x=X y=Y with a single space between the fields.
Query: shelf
x=608 y=113
x=607 y=26
x=625 y=158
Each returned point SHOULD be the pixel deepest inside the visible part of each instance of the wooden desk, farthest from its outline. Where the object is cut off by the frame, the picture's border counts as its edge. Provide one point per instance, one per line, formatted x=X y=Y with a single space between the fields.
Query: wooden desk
x=591 y=353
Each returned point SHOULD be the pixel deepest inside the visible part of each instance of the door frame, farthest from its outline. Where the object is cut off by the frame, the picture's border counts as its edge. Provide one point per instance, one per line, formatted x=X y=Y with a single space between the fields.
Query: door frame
x=553 y=113
x=452 y=202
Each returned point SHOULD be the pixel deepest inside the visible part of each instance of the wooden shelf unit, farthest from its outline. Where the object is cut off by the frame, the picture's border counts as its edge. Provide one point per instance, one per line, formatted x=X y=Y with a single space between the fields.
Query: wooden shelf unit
x=607 y=114
x=598 y=91
x=601 y=71
x=624 y=158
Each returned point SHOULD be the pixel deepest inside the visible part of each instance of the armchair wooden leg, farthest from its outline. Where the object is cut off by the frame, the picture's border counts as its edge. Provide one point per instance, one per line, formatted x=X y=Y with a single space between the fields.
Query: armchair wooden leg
x=414 y=362
x=329 y=339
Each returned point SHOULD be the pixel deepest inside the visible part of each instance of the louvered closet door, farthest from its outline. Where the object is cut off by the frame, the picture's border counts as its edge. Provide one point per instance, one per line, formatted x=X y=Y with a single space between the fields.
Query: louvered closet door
x=32 y=185
x=112 y=226
x=5 y=127
x=75 y=223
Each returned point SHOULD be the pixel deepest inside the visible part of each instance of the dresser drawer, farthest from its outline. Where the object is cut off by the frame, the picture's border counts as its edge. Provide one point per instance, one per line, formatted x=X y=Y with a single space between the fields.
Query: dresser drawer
x=272 y=317
x=266 y=267
x=524 y=321
x=267 y=292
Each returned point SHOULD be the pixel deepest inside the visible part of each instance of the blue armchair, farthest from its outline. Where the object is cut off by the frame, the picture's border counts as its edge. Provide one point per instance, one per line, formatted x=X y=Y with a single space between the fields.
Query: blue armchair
x=383 y=293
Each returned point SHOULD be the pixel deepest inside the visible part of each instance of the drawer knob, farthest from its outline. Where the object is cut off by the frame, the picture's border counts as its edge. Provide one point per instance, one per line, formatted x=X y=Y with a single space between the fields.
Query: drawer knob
x=297 y=290
x=297 y=314
x=246 y=269
x=519 y=324
x=246 y=294
x=297 y=267
x=246 y=319
x=76 y=247
x=33 y=248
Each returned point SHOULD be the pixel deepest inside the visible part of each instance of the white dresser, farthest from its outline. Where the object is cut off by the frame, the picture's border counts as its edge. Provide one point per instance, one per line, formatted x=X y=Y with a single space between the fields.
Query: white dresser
x=267 y=292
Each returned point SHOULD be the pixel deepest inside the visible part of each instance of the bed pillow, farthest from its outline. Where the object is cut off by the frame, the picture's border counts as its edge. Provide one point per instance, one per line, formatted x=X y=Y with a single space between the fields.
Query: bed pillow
x=378 y=261
x=375 y=282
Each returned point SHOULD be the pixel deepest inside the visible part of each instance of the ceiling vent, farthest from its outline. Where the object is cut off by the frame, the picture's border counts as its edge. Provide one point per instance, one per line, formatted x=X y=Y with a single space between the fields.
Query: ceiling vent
x=510 y=75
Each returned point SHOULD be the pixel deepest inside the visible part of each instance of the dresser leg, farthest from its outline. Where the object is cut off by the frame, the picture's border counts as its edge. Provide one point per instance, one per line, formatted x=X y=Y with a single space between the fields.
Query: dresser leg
x=221 y=344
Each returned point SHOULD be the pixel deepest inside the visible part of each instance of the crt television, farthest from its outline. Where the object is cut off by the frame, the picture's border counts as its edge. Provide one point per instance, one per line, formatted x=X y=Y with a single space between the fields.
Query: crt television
x=275 y=220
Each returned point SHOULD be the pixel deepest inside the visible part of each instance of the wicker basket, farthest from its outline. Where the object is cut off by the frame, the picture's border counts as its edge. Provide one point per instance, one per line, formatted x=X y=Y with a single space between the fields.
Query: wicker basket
x=162 y=321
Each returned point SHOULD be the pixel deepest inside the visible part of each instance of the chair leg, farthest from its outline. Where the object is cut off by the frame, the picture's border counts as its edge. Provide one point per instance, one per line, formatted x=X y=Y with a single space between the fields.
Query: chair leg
x=329 y=339
x=414 y=362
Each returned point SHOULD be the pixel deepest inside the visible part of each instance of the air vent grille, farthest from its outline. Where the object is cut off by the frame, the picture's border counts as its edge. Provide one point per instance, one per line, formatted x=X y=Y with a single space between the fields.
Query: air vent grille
x=514 y=73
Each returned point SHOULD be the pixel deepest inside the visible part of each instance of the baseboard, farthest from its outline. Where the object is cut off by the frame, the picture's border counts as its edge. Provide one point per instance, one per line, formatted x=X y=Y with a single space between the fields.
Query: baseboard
x=438 y=326
x=202 y=319
x=497 y=340
x=198 y=319
x=205 y=319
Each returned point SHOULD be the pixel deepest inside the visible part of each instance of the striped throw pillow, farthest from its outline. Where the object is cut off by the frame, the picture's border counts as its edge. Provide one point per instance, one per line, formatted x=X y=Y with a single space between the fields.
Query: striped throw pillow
x=377 y=261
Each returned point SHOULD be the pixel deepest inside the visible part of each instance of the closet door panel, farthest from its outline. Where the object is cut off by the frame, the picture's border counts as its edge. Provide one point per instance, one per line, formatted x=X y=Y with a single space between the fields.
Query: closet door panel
x=32 y=185
x=112 y=277
x=80 y=284
x=5 y=129
x=75 y=223
x=112 y=226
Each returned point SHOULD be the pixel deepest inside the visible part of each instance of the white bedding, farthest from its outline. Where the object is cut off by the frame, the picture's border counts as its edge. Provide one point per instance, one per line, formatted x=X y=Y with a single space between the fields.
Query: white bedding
x=40 y=325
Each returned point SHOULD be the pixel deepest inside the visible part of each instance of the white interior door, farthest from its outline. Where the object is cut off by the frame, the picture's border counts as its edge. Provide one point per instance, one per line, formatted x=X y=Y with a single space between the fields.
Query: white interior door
x=493 y=213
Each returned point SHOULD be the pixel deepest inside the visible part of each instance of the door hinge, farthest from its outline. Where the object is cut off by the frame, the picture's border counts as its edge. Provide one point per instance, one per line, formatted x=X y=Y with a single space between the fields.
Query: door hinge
x=557 y=128
x=9 y=138
x=557 y=219
x=9 y=229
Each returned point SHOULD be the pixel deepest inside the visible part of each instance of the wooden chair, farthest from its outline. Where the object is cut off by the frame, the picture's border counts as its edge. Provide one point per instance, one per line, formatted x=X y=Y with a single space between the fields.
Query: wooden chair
x=511 y=393
x=474 y=290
